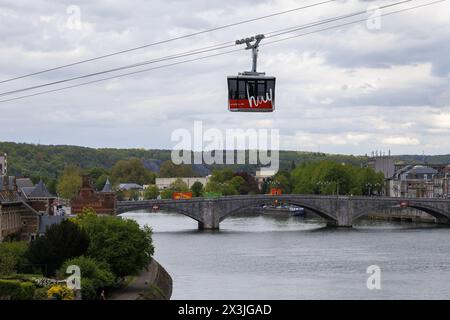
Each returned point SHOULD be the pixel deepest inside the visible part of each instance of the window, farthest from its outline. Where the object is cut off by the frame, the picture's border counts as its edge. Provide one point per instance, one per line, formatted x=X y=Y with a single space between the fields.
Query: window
x=242 y=94
x=232 y=88
x=251 y=86
x=262 y=89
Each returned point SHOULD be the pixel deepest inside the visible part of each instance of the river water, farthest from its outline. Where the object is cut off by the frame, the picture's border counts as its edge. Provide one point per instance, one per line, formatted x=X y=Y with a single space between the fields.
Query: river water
x=282 y=257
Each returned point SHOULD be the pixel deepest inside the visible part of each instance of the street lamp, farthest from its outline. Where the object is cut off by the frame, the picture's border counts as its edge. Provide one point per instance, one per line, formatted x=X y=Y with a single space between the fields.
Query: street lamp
x=327 y=183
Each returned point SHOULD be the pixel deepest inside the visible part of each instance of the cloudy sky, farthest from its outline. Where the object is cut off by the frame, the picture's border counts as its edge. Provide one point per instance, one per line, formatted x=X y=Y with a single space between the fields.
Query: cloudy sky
x=372 y=85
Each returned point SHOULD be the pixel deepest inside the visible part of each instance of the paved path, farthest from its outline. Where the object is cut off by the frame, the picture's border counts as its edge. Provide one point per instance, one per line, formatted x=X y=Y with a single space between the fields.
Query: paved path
x=138 y=285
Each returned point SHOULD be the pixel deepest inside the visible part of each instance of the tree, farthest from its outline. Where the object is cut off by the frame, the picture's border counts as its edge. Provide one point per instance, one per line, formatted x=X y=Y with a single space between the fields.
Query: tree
x=222 y=175
x=250 y=186
x=12 y=257
x=119 y=242
x=170 y=170
x=197 y=189
x=225 y=188
x=329 y=177
x=95 y=275
x=239 y=184
x=133 y=194
x=132 y=170
x=225 y=182
x=69 y=183
x=152 y=192
x=166 y=193
x=120 y=195
x=59 y=243
x=179 y=186
x=282 y=181
x=98 y=176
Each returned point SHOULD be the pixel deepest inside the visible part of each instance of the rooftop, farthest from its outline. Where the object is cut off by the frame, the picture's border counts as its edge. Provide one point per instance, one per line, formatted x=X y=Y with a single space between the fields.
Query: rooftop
x=38 y=191
x=129 y=186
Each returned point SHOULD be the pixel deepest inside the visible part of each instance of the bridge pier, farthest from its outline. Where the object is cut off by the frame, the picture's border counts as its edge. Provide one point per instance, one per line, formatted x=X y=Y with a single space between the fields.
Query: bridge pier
x=203 y=226
x=209 y=216
x=344 y=213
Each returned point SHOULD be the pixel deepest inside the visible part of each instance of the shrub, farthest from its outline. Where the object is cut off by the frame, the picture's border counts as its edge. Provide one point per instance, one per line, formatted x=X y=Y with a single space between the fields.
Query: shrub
x=61 y=242
x=60 y=292
x=16 y=290
x=40 y=294
x=88 y=290
x=95 y=275
x=121 y=243
x=12 y=257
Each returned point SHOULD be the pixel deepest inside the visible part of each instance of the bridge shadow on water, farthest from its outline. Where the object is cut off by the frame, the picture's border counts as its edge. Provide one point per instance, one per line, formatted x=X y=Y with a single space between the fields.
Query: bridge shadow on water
x=259 y=223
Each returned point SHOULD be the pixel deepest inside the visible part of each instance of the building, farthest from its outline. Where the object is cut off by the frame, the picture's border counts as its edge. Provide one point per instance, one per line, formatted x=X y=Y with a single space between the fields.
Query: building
x=164 y=183
x=107 y=187
x=130 y=191
x=18 y=219
x=420 y=181
x=262 y=175
x=382 y=163
x=39 y=197
x=129 y=187
x=3 y=165
x=102 y=202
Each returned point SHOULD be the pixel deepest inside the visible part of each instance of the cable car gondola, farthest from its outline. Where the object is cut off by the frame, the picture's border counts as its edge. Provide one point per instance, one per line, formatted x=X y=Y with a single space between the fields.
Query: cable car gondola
x=251 y=91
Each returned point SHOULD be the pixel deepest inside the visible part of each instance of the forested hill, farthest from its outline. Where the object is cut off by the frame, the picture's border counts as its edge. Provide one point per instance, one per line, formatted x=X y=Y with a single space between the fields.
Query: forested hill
x=50 y=160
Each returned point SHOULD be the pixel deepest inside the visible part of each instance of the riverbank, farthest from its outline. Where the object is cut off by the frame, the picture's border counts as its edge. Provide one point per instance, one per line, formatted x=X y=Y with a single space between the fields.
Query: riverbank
x=153 y=283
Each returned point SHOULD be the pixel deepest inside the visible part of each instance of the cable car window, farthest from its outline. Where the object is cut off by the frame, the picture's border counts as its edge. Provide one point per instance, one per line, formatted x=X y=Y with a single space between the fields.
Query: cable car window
x=271 y=88
x=251 y=87
x=261 y=89
x=232 y=89
x=242 y=89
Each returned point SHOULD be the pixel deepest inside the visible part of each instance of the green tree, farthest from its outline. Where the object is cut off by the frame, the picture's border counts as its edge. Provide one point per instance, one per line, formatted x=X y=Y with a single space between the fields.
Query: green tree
x=134 y=194
x=132 y=170
x=170 y=170
x=12 y=256
x=95 y=275
x=239 y=184
x=98 y=176
x=225 y=188
x=197 y=189
x=152 y=192
x=282 y=181
x=223 y=175
x=250 y=186
x=330 y=177
x=69 y=183
x=166 y=193
x=59 y=243
x=179 y=186
x=119 y=242
x=120 y=195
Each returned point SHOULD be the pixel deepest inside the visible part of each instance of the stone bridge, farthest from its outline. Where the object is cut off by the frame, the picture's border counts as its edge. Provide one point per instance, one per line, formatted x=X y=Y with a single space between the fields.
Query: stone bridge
x=339 y=211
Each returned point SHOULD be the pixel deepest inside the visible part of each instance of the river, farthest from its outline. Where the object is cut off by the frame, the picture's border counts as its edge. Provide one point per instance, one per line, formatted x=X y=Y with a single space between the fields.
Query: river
x=281 y=257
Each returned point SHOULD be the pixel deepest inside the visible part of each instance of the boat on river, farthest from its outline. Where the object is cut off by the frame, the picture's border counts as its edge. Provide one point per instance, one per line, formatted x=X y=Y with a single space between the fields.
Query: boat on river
x=284 y=210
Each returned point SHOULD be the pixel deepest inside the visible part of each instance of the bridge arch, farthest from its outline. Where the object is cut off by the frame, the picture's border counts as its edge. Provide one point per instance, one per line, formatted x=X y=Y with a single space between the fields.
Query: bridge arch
x=320 y=212
x=165 y=207
x=436 y=213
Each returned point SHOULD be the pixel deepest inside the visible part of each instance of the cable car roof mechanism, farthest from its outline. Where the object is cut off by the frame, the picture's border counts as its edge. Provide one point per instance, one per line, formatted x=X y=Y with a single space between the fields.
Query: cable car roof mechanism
x=251 y=91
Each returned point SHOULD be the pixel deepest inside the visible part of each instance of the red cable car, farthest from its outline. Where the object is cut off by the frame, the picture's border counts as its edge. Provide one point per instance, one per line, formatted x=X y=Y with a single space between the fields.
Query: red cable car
x=251 y=91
